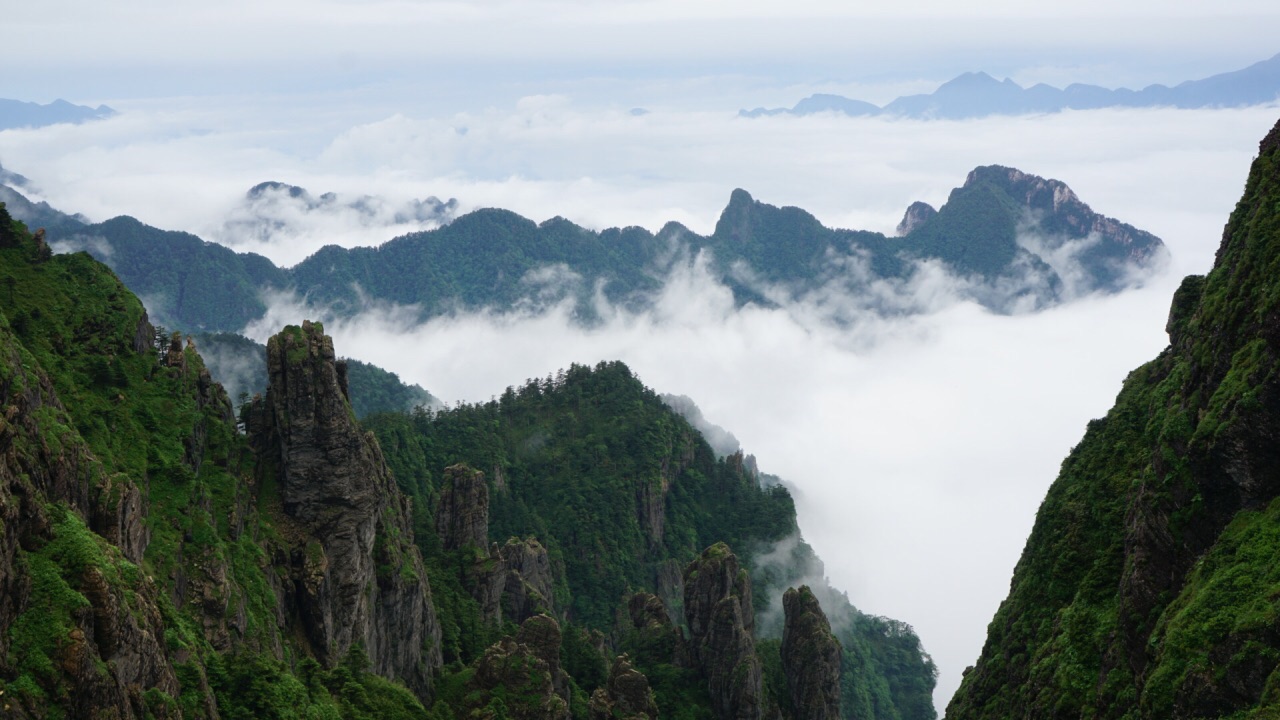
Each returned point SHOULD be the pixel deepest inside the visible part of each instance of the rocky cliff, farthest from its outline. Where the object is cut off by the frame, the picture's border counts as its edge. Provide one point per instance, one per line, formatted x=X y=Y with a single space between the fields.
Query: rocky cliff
x=462 y=514
x=718 y=610
x=626 y=696
x=354 y=574
x=80 y=630
x=526 y=670
x=1146 y=589
x=810 y=657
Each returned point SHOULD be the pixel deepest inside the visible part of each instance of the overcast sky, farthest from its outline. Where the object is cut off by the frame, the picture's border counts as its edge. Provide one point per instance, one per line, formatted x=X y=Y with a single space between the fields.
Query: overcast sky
x=921 y=449
x=467 y=55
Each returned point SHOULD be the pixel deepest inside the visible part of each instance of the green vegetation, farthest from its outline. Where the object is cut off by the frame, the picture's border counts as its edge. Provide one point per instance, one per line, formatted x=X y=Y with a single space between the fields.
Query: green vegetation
x=1148 y=586
x=149 y=521
x=496 y=259
x=562 y=452
x=123 y=419
x=576 y=460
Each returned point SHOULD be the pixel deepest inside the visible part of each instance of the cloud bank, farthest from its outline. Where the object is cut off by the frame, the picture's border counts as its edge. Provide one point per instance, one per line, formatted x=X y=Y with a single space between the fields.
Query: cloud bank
x=919 y=447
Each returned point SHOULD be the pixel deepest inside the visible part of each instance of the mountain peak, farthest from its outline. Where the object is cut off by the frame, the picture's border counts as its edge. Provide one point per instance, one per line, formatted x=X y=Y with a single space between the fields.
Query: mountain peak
x=972 y=80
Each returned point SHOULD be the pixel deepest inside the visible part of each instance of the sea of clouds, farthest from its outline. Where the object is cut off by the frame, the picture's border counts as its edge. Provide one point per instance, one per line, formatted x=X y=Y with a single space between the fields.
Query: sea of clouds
x=918 y=446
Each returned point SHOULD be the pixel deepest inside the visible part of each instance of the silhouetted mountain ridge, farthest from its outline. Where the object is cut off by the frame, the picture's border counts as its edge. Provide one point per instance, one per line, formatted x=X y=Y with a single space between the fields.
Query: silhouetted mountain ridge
x=977 y=94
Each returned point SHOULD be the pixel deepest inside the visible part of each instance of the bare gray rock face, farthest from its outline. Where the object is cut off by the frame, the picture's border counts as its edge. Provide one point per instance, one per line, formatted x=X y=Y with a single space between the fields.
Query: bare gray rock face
x=810 y=657
x=917 y=214
x=527 y=590
x=717 y=608
x=356 y=575
x=462 y=515
x=626 y=695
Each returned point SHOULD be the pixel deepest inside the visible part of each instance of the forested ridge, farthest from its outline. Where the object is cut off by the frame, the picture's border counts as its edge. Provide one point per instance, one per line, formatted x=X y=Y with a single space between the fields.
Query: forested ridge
x=549 y=554
x=1003 y=235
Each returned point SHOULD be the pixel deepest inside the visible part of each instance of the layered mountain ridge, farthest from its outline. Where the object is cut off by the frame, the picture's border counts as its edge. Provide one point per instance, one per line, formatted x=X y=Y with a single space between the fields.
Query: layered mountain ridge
x=977 y=94
x=156 y=562
x=1010 y=241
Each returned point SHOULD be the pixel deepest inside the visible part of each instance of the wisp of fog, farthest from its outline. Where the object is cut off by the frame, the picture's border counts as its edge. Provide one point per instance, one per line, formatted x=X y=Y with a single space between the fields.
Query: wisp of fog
x=918 y=446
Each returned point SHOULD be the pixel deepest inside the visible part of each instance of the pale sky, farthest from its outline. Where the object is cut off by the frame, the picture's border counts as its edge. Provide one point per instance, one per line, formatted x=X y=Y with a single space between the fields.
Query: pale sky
x=465 y=55
x=920 y=450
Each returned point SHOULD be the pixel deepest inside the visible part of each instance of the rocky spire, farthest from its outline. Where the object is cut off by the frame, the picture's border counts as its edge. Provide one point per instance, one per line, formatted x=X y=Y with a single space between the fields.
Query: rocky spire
x=462 y=515
x=717 y=608
x=625 y=695
x=917 y=214
x=526 y=671
x=810 y=657
x=357 y=576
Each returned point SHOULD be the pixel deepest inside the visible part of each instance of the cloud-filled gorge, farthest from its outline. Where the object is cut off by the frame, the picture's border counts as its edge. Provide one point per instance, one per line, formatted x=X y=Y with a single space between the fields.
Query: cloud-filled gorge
x=918 y=447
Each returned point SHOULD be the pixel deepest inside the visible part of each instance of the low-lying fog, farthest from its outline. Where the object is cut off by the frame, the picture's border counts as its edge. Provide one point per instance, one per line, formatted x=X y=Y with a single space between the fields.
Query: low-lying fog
x=919 y=448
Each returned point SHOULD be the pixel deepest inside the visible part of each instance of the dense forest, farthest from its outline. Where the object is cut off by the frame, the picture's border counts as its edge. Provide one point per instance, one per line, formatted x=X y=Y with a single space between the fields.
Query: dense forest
x=567 y=550
x=1013 y=241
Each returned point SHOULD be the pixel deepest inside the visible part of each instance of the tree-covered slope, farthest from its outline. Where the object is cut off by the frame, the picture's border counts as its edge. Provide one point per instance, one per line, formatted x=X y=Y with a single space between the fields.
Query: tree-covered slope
x=1148 y=587
x=1014 y=241
x=162 y=558
x=624 y=493
x=143 y=568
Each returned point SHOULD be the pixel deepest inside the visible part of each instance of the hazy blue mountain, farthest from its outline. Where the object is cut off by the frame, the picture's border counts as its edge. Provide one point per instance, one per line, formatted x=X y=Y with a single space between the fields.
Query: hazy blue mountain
x=36 y=214
x=1012 y=242
x=19 y=114
x=977 y=94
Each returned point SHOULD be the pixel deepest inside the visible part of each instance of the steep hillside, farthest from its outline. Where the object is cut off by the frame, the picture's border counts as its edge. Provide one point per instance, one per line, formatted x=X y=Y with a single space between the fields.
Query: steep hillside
x=1149 y=585
x=163 y=558
x=1015 y=242
x=622 y=493
x=148 y=565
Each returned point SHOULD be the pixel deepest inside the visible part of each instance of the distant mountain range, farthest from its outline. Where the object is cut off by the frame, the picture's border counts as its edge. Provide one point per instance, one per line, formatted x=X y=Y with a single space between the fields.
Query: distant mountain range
x=1005 y=239
x=977 y=94
x=19 y=114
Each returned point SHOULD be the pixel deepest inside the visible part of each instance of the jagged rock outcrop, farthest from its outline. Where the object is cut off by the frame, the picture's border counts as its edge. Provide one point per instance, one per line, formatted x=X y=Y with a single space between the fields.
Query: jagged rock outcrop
x=917 y=214
x=810 y=657
x=527 y=582
x=645 y=622
x=527 y=669
x=511 y=581
x=462 y=514
x=625 y=696
x=718 y=610
x=355 y=575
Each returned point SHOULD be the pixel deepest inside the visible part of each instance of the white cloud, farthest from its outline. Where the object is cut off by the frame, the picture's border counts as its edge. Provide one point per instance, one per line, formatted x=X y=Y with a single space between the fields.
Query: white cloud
x=920 y=448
